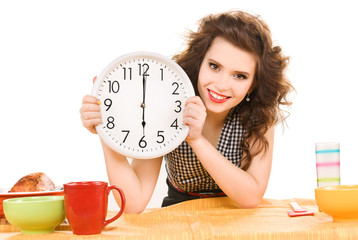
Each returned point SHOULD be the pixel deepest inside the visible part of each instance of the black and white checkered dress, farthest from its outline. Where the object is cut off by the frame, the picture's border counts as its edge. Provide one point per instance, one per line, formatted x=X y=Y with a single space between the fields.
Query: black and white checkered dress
x=185 y=170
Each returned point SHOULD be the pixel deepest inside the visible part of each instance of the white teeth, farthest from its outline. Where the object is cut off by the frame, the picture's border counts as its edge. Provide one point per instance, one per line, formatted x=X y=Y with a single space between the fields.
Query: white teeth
x=217 y=96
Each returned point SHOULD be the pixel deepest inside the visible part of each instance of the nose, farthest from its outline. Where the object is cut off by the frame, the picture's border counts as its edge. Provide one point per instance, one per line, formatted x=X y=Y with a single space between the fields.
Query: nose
x=222 y=82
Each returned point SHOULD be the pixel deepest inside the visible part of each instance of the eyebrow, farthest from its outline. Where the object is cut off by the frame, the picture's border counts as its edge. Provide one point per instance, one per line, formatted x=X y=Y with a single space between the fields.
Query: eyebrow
x=237 y=71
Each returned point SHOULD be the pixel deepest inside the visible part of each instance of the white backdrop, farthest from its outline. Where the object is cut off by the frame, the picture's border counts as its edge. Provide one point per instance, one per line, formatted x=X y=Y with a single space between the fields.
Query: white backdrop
x=50 y=51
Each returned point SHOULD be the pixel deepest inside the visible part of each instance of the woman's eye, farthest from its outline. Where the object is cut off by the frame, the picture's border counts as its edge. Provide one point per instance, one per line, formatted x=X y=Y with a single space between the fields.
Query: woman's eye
x=214 y=66
x=240 y=76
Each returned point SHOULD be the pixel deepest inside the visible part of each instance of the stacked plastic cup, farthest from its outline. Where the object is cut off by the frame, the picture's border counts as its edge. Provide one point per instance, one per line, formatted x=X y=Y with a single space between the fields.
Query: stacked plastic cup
x=328 y=164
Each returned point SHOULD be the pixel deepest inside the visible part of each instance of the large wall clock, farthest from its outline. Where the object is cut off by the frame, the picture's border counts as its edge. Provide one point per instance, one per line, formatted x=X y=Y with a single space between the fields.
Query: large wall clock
x=142 y=97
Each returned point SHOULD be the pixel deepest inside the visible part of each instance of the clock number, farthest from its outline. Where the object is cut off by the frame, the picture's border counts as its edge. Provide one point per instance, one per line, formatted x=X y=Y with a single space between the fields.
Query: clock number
x=175 y=124
x=179 y=106
x=125 y=73
x=142 y=142
x=176 y=88
x=160 y=135
x=108 y=103
x=110 y=122
x=144 y=68
x=127 y=133
x=113 y=86
x=161 y=74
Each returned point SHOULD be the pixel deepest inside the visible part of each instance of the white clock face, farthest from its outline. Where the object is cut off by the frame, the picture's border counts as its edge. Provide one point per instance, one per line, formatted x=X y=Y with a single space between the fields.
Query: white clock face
x=142 y=99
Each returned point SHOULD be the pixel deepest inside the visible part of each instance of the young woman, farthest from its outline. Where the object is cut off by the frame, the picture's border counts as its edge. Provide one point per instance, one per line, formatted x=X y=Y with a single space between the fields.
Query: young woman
x=238 y=76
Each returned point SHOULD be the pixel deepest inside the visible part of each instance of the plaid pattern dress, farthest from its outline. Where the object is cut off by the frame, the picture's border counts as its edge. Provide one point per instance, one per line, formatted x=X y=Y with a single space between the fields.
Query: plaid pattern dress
x=184 y=168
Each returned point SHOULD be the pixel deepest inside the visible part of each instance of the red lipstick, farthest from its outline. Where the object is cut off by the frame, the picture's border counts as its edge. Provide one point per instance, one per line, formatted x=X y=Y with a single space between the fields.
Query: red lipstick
x=216 y=97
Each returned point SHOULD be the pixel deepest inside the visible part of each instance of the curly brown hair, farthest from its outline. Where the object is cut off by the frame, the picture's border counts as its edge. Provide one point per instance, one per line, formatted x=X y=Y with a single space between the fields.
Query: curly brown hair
x=270 y=86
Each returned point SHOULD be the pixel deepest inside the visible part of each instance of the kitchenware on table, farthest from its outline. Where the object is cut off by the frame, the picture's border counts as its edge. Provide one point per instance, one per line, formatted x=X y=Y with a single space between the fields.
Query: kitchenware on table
x=328 y=163
x=298 y=211
x=5 y=194
x=35 y=215
x=340 y=202
x=86 y=206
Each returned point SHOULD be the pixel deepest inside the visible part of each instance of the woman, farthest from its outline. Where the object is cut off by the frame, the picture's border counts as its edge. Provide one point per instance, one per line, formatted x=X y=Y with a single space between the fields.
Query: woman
x=239 y=80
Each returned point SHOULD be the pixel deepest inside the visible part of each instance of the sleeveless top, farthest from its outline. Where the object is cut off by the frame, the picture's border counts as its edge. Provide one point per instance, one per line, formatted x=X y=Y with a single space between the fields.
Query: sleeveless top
x=185 y=170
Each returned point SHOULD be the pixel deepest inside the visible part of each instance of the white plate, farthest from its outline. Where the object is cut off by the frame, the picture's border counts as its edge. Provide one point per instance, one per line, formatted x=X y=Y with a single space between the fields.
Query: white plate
x=5 y=192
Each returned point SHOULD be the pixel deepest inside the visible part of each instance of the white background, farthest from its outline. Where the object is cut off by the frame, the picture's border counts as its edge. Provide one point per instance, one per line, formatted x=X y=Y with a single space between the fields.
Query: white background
x=50 y=51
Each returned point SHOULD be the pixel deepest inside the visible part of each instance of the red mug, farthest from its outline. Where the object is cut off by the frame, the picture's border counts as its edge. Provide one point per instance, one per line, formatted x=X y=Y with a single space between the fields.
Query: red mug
x=86 y=206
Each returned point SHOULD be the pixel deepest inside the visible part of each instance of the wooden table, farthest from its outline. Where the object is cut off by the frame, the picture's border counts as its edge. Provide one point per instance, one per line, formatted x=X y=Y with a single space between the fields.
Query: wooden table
x=214 y=218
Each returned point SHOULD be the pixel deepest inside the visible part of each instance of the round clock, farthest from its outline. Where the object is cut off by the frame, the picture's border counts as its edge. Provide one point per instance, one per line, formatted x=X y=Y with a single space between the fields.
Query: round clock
x=142 y=97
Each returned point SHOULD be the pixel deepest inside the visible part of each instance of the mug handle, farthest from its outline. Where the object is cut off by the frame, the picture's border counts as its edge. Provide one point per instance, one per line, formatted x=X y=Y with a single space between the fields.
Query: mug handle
x=123 y=200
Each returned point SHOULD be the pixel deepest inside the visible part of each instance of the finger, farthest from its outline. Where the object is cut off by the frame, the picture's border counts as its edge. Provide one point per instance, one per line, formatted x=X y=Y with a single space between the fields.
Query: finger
x=194 y=110
x=90 y=107
x=195 y=100
x=90 y=99
x=191 y=113
x=195 y=107
x=190 y=121
x=91 y=115
x=94 y=79
x=90 y=124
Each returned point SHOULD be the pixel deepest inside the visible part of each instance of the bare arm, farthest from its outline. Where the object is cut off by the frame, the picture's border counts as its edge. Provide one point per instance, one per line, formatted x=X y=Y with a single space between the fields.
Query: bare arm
x=245 y=188
x=137 y=180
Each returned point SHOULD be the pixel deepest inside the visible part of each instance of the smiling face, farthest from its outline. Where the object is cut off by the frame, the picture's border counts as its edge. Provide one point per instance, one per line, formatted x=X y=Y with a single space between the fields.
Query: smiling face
x=226 y=76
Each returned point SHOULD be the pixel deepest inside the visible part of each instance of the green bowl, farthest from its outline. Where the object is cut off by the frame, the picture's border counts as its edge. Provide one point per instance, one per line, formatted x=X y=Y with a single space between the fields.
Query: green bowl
x=35 y=215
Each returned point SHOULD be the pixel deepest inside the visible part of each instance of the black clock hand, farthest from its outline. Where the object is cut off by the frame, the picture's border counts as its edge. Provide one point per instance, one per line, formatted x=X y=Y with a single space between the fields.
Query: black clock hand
x=143 y=103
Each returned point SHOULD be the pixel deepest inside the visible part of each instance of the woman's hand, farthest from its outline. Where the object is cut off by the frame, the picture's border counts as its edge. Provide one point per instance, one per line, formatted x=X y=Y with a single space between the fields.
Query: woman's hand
x=194 y=117
x=90 y=112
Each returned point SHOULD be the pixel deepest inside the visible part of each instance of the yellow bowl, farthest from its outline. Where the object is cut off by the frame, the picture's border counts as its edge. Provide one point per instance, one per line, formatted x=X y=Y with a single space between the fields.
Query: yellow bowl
x=340 y=202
